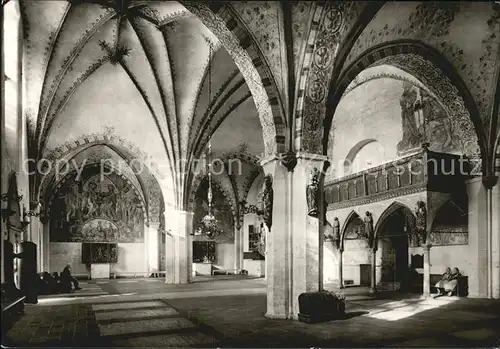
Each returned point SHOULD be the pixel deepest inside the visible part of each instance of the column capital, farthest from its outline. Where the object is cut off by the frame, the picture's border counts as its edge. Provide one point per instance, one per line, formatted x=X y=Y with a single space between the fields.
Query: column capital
x=490 y=181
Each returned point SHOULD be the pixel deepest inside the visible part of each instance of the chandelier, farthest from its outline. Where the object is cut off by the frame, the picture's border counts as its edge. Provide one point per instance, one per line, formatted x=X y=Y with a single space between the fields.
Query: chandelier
x=208 y=224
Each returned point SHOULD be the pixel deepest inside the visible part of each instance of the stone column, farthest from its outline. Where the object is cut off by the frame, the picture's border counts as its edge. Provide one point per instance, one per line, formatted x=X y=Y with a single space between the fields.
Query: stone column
x=238 y=248
x=496 y=240
x=427 y=271
x=373 y=283
x=293 y=265
x=341 y=268
x=180 y=257
x=478 y=280
x=152 y=248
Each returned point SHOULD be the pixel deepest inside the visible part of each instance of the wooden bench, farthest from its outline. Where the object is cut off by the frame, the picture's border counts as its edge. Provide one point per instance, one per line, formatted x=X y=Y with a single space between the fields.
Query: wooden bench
x=462 y=289
x=12 y=306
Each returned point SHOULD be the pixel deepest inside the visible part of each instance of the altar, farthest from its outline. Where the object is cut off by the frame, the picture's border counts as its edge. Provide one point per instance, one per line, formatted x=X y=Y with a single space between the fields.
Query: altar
x=202 y=268
x=100 y=271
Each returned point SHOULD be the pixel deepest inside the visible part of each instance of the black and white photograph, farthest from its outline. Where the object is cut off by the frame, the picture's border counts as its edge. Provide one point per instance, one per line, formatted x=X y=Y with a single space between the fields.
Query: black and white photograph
x=250 y=174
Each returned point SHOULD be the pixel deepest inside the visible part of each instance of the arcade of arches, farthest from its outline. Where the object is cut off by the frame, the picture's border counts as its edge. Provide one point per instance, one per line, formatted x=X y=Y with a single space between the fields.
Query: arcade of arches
x=316 y=113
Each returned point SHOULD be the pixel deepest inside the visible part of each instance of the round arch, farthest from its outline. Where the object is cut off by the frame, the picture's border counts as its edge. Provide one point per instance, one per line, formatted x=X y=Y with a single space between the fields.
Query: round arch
x=433 y=70
x=349 y=159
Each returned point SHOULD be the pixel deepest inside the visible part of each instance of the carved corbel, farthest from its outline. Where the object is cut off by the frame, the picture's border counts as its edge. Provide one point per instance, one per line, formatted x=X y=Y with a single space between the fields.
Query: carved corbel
x=289 y=160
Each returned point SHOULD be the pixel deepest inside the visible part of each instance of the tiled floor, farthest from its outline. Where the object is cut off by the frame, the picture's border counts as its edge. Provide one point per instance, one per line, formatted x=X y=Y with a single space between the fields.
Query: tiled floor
x=230 y=313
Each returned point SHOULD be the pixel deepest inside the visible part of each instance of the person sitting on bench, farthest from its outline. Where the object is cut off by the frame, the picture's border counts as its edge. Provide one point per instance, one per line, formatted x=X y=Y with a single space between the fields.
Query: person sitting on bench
x=49 y=284
x=448 y=282
x=66 y=280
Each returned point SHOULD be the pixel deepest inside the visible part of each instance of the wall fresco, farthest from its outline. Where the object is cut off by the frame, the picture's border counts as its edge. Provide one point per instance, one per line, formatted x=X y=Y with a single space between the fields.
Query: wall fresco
x=423 y=119
x=96 y=208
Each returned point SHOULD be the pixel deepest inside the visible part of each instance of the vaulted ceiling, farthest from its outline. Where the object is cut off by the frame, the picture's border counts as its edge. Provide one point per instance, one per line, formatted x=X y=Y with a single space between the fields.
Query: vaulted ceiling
x=131 y=68
x=138 y=70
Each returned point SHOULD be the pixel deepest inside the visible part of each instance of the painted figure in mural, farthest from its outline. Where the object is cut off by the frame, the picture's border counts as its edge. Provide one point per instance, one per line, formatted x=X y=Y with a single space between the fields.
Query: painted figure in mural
x=90 y=201
x=369 y=232
x=108 y=202
x=439 y=124
x=421 y=223
x=411 y=138
x=267 y=201
x=312 y=194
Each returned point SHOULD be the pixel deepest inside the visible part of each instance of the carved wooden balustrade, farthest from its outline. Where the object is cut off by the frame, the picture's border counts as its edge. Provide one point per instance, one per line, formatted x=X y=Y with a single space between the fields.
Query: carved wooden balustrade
x=425 y=170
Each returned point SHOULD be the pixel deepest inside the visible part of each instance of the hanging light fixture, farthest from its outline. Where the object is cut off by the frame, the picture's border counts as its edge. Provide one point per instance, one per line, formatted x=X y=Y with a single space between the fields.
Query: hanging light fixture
x=208 y=225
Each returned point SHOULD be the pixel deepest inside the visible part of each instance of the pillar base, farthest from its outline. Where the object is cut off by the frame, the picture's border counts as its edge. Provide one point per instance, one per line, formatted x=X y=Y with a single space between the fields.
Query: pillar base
x=372 y=290
x=281 y=316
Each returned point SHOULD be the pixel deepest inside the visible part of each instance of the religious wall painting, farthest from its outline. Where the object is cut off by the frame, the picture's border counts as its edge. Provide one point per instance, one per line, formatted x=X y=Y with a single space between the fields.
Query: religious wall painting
x=424 y=120
x=451 y=224
x=94 y=207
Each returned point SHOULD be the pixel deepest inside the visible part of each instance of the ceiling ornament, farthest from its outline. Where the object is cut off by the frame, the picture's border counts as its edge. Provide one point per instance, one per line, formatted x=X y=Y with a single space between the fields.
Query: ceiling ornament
x=115 y=56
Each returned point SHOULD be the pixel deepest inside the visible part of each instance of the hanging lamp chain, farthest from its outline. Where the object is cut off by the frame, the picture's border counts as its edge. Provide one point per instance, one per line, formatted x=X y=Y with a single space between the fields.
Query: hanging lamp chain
x=209 y=155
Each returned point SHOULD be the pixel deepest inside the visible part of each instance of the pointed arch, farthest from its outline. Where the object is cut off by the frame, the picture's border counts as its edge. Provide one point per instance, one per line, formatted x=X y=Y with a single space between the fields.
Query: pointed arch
x=351 y=216
x=392 y=208
x=228 y=28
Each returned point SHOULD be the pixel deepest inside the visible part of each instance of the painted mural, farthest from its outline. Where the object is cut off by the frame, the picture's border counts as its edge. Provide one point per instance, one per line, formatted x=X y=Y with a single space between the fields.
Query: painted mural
x=94 y=207
x=221 y=209
x=423 y=120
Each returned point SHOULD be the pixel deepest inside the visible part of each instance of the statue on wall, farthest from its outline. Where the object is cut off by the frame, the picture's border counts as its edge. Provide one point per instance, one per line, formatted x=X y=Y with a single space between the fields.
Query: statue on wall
x=312 y=194
x=267 y=202
x=336 y=231
x=369 y=231
x=421 y=223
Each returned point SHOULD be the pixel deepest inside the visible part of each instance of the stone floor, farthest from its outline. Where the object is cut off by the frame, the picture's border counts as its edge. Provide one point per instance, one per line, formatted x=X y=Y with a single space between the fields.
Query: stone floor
x=229 y=312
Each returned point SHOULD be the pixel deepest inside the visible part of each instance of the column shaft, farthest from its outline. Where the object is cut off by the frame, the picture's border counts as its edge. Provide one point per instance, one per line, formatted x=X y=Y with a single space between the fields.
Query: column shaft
x=341 y=268
x=373 y=283
x=427 y=271
x=179 y=254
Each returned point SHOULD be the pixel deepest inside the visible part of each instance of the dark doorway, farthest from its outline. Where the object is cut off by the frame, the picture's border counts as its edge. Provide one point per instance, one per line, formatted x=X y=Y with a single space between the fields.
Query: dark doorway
x=394 y=247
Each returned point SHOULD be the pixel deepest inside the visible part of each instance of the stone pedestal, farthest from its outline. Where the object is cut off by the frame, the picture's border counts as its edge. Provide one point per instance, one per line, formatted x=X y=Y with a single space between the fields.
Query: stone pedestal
x=179 y=249
x=254 y=267
x=100 y=271
x=293 y=265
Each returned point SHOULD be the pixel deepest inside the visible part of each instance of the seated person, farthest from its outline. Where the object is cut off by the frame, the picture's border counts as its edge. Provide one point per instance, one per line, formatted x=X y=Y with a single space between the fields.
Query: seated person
x=67 y=280
x=48 y=284
x=448 y=282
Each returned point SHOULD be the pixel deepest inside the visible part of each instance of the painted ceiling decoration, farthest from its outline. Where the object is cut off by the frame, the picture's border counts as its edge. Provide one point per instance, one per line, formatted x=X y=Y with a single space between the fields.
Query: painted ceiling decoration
x=163 y=50
x=279 y=72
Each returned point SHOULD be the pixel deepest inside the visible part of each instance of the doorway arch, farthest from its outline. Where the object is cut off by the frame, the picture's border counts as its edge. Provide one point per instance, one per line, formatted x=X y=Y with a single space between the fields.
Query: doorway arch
x=393 y=233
